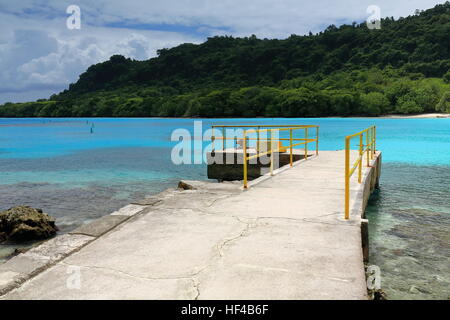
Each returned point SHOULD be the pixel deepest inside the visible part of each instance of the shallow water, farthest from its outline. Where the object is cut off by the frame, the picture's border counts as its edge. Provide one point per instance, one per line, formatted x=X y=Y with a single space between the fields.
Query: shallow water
x=409 y=221
x=77 y=176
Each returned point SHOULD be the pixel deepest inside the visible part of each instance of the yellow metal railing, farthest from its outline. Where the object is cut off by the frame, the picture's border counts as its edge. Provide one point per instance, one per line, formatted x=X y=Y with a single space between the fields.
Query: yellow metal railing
x=272 y=144
x=368 y=148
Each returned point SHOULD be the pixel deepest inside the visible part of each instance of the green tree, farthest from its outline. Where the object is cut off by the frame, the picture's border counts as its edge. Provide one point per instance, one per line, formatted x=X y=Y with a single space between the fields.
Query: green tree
x=374 y=103
x=447 y=77
x=444 y=103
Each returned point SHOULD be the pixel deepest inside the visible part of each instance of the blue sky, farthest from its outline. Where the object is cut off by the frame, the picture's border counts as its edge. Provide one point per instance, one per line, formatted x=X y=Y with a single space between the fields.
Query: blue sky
x=40 y=56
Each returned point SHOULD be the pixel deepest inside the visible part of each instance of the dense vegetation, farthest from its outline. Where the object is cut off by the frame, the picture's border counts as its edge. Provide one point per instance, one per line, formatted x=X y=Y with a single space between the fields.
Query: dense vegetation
x=402 y=68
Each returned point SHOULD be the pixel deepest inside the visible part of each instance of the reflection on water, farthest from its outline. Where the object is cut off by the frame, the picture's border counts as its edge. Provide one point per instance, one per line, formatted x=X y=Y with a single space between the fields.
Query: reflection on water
x=409 y=227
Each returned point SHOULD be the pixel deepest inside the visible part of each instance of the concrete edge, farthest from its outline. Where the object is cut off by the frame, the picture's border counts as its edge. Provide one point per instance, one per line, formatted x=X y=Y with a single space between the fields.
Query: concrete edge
x=365 y=188
x=23 y=267
x=369 y=182
x=100 y=226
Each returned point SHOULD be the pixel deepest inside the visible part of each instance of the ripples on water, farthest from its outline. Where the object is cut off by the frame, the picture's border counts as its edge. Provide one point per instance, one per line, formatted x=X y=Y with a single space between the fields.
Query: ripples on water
x=409 y=228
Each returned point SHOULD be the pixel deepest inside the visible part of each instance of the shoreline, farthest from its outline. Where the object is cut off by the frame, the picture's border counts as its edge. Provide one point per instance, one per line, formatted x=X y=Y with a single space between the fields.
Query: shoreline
x=417 y=116
x=387 y=116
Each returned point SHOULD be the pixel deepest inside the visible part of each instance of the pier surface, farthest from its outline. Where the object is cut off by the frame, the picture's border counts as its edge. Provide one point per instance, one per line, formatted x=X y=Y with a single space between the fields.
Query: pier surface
x=284 y=238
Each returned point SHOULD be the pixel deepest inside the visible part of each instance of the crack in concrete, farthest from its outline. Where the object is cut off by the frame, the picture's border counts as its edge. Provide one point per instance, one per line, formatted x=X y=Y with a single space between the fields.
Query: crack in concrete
x=129 y=274
x=192 y=277
x=308 y=220
x=196 y=286
x=241 y=234
x=211 y=202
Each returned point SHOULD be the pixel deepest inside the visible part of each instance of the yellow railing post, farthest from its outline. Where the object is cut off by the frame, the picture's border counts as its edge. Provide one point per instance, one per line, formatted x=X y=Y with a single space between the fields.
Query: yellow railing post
x=290 y=144
x=374 y=140
x=368 y=148
x=317 y=140
x=347 y=178
x=223 y=139
x=257 y=139
x=306 y=143
x=271 y=153
x=212 y=139
x=372 y=145
x=361 y=153
x=371 y=142
x=244 y=157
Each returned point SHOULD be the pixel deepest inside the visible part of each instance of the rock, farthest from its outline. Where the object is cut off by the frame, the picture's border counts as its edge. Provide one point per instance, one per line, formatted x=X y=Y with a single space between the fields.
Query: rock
x=16 y=251
x=414 y=290
x=185 y=186
x=24 y=223
x=379 y=295
x=398 y=252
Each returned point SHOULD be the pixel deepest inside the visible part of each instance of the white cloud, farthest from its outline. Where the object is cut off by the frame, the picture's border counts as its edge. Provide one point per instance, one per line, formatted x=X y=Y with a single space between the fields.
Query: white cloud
x=36 y=58
x=38 y=53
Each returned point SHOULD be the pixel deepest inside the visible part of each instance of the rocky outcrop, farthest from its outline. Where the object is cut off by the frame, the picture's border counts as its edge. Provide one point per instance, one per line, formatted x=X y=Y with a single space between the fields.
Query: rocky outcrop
x=24 y=223
x=185 y=186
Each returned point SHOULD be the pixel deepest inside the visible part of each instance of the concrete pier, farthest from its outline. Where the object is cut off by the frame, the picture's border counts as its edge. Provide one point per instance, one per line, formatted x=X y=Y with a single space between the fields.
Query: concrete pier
x=284 y=238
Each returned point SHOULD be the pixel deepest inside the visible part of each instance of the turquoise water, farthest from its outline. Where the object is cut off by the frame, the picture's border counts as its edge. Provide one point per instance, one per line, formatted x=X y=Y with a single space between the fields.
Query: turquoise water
x=78 y=176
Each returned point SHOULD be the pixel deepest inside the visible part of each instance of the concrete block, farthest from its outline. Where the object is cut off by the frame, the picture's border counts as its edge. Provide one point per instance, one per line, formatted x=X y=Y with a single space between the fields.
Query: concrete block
x=58 y=247
x=8 y=280
x=100 y=226
x=24 y=266
x=129 y=210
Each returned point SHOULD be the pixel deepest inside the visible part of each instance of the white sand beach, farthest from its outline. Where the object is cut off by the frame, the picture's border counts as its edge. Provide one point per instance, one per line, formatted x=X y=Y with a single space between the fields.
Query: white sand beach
x=418 y=116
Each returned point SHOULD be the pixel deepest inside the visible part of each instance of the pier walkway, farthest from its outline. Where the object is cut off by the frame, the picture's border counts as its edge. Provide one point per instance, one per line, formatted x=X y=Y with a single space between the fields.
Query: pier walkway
x=283 y=238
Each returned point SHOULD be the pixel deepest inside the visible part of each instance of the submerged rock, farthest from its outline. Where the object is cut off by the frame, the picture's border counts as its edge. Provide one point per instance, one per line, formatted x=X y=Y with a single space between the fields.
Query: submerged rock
x=24 y=223
x=379 y=295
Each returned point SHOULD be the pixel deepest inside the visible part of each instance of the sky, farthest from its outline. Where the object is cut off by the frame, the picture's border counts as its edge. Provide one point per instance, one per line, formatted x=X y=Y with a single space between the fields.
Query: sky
x=40 y=55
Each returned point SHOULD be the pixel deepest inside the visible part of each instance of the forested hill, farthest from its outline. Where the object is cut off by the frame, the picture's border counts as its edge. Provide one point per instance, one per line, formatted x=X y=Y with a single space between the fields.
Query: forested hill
x=348 y=70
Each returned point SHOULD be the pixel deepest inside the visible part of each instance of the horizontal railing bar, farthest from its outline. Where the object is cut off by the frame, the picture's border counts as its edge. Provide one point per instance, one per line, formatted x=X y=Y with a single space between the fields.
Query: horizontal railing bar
x=299 y=144
x=354 y=169
x=275 y=150
x=262 y=154
x=272 y=130
x=260 y=139
x=359 y=133
x=359 y=159
x=266 y=126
